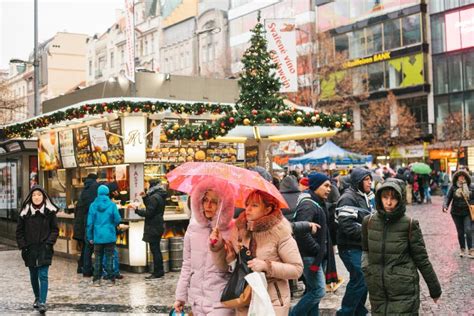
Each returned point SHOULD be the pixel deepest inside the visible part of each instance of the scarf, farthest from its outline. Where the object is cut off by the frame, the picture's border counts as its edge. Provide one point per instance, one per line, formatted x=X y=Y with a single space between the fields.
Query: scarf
x=463 y=190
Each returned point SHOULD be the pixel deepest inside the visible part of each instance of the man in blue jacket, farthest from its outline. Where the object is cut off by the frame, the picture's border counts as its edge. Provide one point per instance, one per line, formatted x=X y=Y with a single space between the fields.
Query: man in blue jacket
x=102 y=221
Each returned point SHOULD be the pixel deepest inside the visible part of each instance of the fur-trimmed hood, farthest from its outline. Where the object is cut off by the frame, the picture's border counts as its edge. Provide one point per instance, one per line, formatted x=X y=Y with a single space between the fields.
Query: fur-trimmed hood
x=27 y=206
x=461 y=173
x=226 y=205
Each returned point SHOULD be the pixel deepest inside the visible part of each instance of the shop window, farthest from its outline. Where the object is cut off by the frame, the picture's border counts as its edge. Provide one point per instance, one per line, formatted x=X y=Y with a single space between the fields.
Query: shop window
x=440 y=75
x=391 y=32
x=442 y=113
x=451 y=4
x=374 y=39
x=438 y=39
x=469 y=71
x=455 y=73
x=469 y=111
x=341 y=43
x=359 y=80
x=356 y=44
x=376 y=76
x=411 y=29
x=405 y=71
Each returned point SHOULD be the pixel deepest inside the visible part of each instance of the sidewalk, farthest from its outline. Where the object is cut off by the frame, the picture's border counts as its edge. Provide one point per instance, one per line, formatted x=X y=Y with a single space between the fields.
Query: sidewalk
x=70 y=293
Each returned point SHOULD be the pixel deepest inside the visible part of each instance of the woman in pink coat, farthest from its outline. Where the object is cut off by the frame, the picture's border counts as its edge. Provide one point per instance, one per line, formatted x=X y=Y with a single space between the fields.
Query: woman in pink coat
x=202 y=282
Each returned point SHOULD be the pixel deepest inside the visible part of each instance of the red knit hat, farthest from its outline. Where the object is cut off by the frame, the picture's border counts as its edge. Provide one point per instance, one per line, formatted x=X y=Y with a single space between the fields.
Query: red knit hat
x=304 y=181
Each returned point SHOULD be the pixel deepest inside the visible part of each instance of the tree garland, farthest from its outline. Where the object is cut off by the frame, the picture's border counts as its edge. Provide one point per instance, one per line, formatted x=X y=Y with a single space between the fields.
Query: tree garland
x=220 y=127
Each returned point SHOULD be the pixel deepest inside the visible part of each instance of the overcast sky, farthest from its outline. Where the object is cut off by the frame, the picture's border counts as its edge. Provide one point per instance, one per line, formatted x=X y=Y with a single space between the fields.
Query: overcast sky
x=76 y=16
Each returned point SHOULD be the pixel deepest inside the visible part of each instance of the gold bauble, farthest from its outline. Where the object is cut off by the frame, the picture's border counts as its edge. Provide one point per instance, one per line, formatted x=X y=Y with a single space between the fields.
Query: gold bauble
x=299 y=120
x=337 y=124
x=246 y=121
x=175 y=127
x=274 y=120
x=314 y=119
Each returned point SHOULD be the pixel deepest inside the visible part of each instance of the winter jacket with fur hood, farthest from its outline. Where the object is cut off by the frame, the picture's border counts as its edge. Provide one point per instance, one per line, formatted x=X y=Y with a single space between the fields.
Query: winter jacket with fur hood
x=103 y=218
x=396 y=252
x=37 y=230
x=201 y=281
x=272 y=242
x=459 y=205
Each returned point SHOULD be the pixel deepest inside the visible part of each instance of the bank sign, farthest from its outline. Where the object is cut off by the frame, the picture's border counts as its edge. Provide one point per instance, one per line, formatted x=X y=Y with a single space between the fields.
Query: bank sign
x=367 y=60
x=280 y=34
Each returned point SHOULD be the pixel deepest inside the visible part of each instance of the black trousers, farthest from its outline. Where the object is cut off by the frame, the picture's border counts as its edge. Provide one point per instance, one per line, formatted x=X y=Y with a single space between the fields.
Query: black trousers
x=157 y=257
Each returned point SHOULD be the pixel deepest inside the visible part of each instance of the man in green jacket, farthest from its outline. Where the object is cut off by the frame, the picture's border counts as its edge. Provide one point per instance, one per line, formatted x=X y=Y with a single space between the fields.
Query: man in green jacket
x=394 y=251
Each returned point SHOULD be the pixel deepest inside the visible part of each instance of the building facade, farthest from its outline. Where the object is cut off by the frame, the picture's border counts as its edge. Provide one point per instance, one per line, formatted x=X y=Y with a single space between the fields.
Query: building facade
x=452 y=50
x=61 y=62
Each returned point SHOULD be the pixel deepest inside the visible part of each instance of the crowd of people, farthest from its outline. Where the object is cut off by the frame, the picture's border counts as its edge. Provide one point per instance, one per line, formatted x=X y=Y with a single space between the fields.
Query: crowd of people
x=361 y=213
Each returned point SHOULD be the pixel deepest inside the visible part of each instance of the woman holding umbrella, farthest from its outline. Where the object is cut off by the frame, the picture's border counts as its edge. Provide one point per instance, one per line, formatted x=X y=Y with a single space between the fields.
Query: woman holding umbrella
x=459 y=194
x=202 y=282
x=266 y=234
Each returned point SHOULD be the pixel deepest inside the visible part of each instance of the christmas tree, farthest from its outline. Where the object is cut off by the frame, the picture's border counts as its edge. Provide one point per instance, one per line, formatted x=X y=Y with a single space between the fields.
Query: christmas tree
x=259 y=86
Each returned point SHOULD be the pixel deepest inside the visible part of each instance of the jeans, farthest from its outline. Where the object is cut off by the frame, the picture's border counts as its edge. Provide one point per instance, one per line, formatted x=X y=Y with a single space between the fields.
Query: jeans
x=353 y=302
x=115 y=265
x=315 y=290
x=464 y=228
x=157 y=257
x=427 y=193
x=39 y=282
x=86 y=258
x=101 y=250
x=445 y=189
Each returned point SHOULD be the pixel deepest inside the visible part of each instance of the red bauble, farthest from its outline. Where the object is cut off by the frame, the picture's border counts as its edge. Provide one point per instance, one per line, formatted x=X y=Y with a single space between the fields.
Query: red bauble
x=136 y=110
x=348 y=124
x=222 y=124
x=206 y=134
x=268 y=120
x=231 y=120
x=254 y=112
x=104 y=104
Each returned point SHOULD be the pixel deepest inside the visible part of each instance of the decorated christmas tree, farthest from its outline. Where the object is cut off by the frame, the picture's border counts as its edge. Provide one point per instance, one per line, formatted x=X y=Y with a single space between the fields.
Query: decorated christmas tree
x=259 y=86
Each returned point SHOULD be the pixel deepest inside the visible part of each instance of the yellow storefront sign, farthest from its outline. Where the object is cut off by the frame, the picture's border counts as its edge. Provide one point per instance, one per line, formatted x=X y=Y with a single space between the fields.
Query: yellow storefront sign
x=367 y=60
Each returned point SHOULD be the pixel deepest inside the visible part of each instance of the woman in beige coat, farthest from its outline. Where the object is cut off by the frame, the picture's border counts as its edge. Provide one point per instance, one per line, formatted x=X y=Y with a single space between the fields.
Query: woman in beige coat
x=267 y=234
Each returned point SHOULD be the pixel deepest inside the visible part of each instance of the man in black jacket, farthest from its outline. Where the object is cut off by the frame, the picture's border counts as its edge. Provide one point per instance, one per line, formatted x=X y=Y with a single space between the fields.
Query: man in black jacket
x=88 y=195
x=314 y=249
x=352 y=207
x=154 y=202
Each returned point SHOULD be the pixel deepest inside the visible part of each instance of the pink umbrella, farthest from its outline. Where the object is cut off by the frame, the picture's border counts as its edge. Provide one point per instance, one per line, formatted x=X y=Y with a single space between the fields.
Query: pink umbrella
x=244 y=181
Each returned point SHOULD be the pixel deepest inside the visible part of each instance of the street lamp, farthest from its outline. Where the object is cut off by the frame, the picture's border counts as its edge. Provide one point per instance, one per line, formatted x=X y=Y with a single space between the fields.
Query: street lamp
x=213 y=30
x=35 y=65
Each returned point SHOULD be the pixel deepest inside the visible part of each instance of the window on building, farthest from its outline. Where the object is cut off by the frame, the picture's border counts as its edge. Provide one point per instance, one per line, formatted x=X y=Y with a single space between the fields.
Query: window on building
x=411 y=26
x=440 y=75
x=436 y=6
x=341 y=43
x=152 y=43
x=122 y=55
x=451 y=4
x=469 y=71
x=376 y=76
x=391 y=33
x=112 y=60
x=210 y=52
x=469 y=110
x=182 y=61
x=90 y=67
x=393 y=75
x=374 y=39
x=455 y=73
x=146 y=47
x=357 y=44
x=442 y=113
x=188 y=59
x=359 y=80
x=456 y=102
x=166 y=66
x=438 y=41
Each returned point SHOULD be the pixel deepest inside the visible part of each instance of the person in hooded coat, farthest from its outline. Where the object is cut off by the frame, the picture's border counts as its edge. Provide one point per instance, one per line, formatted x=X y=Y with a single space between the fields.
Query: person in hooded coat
x=154 y=201
x=36 y=233
x=394 y=251
x=201 y=281
x=459 y=195
x=290 y=191
x=102 y=220
x=88 y=195
x=352 y=207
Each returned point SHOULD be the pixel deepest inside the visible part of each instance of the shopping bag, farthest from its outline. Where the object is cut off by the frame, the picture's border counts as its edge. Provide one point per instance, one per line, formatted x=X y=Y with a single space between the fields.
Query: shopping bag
x=260 y=303
x=237 y=293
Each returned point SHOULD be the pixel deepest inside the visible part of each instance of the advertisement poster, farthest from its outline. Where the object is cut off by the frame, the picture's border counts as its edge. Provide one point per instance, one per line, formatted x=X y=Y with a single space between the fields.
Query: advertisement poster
x=66 y=148
x=48 y=151
x=99 y=145
x=33 y=169
x=114 y=142
x=8 y=185
x=83 y=147
x=281 y=39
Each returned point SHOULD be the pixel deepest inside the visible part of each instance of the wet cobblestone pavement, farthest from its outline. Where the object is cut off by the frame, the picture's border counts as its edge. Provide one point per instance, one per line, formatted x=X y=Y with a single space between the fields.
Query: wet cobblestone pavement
x=71 y=294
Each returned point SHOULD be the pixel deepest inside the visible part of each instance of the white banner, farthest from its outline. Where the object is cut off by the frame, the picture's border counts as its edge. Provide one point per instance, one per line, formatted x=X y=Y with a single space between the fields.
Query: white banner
x=98 y=139
x=134 y=130
x=130 y=38
x=8 y=185
x=156 y=137
x=281 y=39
